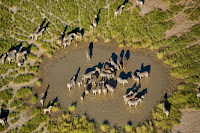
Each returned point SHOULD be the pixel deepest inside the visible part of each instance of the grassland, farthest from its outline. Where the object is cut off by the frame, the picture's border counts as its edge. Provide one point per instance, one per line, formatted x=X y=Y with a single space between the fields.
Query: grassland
x=20 y=18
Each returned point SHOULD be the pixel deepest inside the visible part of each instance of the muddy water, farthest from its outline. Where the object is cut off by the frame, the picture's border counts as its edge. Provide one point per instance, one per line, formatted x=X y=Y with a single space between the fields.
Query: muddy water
x=111 y=107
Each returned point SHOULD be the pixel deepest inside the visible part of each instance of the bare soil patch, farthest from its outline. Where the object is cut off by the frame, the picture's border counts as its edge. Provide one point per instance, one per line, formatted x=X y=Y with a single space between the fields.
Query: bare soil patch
x=57 y=72
x=151 y=5
x=190 y=122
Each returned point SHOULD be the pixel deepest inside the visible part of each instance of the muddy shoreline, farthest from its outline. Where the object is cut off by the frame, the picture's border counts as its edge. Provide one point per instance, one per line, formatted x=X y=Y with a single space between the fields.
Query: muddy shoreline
x=110 y=108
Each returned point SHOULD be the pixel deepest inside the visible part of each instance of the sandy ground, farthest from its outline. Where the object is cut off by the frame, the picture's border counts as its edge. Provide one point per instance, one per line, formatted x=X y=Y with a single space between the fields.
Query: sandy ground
x=104 y=108
x=190 y=122
x=151 y=5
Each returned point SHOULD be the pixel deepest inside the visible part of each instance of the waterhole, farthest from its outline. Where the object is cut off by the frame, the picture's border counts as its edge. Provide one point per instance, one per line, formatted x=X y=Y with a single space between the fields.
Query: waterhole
x=109 y=108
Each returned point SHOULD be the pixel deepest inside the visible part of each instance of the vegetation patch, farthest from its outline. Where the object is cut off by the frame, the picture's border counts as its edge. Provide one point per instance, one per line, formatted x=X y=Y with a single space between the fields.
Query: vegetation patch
x=23 y=92
x=15 y=103
x=32 y=124
x=6 y=94
x=23 y=78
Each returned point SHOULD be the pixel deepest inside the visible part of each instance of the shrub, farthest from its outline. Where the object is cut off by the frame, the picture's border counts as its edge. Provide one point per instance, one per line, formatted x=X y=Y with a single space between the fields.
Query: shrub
x=36 y=111
x=39 y=82
x=33 y=69
x=23 y=107
x=104 y=127
x=23 y=92
x=16 y=103
x=72 y=108
x=14 y=120
x=23 y=78
x=128 y=128
x=195 y=14
x=13 y=114
x=176 y=8
x=22 y=69
x=2 y=128
x=34 y=48
x=6 y=94
x=33 y=99
x=13 y=73
x=32 y=124
x=55 y=108
x=31 y=56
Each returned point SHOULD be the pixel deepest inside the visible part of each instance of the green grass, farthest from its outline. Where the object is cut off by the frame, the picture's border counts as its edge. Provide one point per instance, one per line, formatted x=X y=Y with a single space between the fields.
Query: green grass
x=14 y=120
x=32 y=124
x=23 y=107
x=13 y=73
x=33 y=69
x=104 y=127
x=31 y=56
x=6 y=94
x=23 y=92
x=72 y=108
x=34 y=48
x=176 y=8
x=39 y=82
x=33 y=99
x=195 y=14
x=15 y=103
x=36 y=111
x=13 y=114
x=23 y=78
x=129 y=29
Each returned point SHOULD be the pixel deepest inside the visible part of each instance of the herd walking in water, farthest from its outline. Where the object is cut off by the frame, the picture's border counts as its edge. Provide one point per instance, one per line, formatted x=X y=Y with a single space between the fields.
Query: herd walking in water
x=102 y=79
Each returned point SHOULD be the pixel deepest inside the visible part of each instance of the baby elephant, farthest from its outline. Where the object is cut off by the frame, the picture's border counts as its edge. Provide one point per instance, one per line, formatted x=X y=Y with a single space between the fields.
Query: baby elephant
x=122 y=81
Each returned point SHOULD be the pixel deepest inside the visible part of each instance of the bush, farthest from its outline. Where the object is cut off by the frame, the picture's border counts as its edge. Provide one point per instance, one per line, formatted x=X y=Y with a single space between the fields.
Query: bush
x=39 y=82
x=22 y=69
x=33 y=69
x=195 y=14
x=13 y=73
x=55 y=108
x=14 y=120
x=23 y=78
x=6 y=94
x=31 y=56
x=33 y=124
x=128 y=128
x=13 y=114
x=104 y=127
x=72 y=108
x=176 y=8
x=16 y=103
x=36 y=111
x=23 y=107
x=34 y=48
x=33 y=99
x=23 y=92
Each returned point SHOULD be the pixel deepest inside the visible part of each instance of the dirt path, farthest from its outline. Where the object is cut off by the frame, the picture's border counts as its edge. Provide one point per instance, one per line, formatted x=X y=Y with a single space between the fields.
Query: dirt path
x=190 y=122
x=23 y=118
x=182 y=24
x=151 y=5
